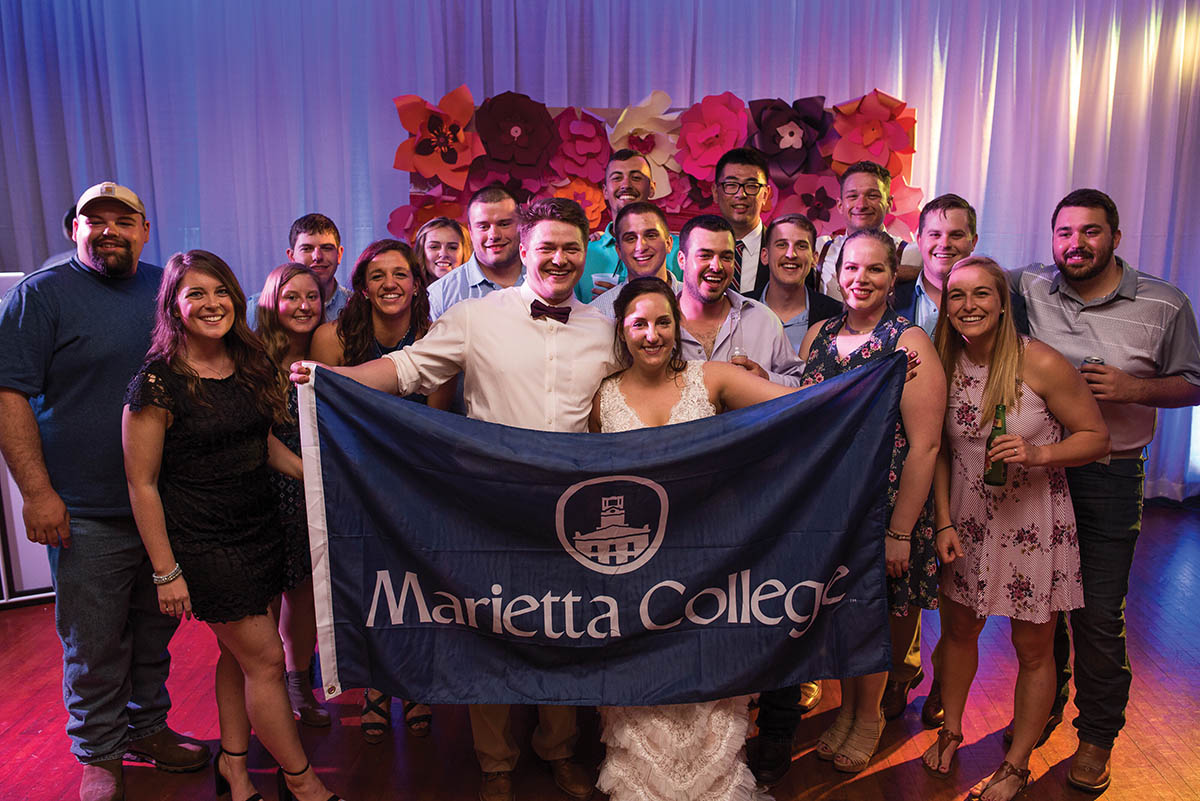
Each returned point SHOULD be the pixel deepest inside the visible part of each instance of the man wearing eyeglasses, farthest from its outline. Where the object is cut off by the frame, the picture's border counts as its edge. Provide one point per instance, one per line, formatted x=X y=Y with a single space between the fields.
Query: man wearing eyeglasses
x=741 y=190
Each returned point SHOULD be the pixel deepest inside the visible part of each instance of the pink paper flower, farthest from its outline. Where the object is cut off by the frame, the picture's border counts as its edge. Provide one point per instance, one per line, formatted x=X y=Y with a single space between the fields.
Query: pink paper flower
x=648 y=129
x=875 y=127
x=708 y=129
x=440 y=146
x=584 y=150
x=688 y=196
x=790 y=135
x=586 y=194
x=518 y=134
x=906 y=210
x=404 y=221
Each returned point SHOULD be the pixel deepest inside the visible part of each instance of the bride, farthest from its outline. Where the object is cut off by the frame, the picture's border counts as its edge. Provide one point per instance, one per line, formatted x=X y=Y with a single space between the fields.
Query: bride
x=682 y=751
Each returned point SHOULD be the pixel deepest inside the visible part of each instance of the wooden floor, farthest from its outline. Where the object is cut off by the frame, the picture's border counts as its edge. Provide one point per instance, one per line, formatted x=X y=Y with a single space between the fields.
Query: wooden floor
x=1157 y=756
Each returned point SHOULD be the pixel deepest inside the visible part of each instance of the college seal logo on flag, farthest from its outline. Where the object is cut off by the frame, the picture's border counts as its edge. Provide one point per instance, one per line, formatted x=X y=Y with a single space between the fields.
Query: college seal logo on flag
x=612 y=524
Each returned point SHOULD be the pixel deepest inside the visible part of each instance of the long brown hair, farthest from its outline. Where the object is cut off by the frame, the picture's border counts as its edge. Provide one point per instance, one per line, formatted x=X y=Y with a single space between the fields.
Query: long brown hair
x=252 y=368
x=436 y=224
x=356 y=326
x=269 y=329
x=1006 y=361
x=650 y=285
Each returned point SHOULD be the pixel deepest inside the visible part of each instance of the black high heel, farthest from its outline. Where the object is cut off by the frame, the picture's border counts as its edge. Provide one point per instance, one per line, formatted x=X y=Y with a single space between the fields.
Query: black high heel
x=285 y=792
x=220 y=783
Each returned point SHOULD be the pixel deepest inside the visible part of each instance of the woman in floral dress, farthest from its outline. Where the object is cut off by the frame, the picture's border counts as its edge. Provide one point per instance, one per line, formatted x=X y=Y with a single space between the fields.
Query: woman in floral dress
x=1008 y=550
x=869 y=329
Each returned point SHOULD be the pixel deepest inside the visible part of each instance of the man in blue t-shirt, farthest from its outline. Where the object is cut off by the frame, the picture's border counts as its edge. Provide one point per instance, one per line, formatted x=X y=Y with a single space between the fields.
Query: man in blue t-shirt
x=71 y=337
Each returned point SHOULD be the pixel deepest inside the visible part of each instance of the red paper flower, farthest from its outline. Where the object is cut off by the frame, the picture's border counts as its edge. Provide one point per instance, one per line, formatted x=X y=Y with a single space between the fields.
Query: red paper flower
x=790 y=135
x=404 y=221
x=688 y=196
x=518 y=135
x=584 y=150
x=586 y=194
x=708 y=129
x=440 y=146
x=875 y=127
x=815 y=196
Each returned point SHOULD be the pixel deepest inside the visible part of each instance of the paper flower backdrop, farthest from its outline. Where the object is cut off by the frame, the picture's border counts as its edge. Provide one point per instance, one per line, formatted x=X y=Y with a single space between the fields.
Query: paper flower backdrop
x=454 y=148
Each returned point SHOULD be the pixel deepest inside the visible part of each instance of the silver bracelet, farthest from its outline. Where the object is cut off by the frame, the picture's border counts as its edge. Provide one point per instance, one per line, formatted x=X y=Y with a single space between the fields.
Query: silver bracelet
x=175 y=573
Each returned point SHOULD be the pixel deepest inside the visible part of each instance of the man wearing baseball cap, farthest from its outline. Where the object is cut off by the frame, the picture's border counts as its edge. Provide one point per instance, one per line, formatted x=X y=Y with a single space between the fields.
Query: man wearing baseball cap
x=71 y=337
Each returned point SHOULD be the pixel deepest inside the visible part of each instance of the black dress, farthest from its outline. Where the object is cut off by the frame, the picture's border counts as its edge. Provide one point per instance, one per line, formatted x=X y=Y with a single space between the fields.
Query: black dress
x=289 y=501
x=220 y=510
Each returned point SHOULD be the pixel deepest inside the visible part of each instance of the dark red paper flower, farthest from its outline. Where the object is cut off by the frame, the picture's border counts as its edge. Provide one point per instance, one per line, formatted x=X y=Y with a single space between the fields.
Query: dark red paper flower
x=584 y=150
x=790 y=135
x=518 y=135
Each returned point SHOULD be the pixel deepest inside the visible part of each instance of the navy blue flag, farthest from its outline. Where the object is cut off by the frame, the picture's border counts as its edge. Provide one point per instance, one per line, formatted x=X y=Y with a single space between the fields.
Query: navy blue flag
x=458 y=561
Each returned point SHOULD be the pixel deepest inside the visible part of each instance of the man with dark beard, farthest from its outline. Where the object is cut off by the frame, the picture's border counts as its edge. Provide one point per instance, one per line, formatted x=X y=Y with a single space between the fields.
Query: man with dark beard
x=71 y=337
x=1135 y=339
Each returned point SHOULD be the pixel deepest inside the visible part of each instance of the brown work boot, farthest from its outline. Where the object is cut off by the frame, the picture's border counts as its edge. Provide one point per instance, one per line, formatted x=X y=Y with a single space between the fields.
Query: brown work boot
x=497 y=786
x=169 y=751
x=810 y=696
x=1091 y=768
x=102 y=781
x=895 y=696
x=304 y=705
x=571 y=778
x=933 y=714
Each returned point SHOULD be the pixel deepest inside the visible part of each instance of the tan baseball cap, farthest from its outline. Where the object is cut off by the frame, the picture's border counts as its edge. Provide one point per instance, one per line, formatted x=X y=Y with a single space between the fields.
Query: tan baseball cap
x=112 y=191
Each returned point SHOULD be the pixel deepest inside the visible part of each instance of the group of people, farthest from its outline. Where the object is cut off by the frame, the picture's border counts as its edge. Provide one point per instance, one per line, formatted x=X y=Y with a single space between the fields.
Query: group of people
x=188 y=399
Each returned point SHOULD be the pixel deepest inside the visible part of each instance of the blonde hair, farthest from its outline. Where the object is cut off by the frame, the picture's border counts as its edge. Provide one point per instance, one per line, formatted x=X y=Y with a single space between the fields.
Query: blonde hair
x=1006 y=361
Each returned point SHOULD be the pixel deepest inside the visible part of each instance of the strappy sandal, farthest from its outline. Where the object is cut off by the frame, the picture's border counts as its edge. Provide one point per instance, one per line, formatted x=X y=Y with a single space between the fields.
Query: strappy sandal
x=944 y=739
x=832 y=738
x=373 y=731
x=417 y=725
x=1006 y=770
x=859 y=747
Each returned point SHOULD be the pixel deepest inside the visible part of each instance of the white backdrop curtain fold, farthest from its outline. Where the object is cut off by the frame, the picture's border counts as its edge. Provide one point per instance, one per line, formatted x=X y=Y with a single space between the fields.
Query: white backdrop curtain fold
x=232 y=118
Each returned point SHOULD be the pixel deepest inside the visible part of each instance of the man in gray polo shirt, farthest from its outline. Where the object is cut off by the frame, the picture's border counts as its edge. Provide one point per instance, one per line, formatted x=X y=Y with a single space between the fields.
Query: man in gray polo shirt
x=1135 y=339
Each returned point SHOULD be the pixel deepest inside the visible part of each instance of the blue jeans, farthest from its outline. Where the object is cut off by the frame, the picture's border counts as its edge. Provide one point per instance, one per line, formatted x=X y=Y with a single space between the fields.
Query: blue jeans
x=1108 y=513
x=115 y=658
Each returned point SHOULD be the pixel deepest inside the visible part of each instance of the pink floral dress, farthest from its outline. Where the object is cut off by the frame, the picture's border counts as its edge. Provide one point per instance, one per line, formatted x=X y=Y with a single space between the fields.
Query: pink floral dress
x=1022 y=552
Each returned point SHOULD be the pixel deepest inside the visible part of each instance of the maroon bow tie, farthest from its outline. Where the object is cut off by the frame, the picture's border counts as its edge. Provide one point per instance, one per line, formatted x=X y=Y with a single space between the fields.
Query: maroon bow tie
x=538 y=310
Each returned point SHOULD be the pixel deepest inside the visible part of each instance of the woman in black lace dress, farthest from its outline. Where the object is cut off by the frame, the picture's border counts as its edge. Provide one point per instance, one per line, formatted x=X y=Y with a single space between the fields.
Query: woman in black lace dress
x=198 y=450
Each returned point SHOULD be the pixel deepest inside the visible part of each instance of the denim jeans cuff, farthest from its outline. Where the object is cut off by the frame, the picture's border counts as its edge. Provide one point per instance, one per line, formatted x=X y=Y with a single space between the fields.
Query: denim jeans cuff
x=1098 y=740
x=92 y=760
x=147 y=731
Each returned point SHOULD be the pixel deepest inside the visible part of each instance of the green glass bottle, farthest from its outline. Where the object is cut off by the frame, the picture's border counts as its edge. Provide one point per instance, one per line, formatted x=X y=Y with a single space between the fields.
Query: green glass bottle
x=996 y=473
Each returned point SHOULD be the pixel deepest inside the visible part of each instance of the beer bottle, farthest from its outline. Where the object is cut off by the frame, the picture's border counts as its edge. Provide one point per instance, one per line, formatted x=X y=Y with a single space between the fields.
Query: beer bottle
x=996 y=473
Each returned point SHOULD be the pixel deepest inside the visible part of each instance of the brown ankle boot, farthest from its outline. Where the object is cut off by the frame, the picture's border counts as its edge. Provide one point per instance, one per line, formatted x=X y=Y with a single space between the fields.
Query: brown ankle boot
x=304 y=705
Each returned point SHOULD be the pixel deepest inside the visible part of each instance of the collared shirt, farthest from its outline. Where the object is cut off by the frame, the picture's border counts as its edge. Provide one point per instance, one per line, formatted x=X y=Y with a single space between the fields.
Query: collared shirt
x=605 y=302
x=1145 y=327
x=463 y=282
x=333 y=306
x=925 y=310
x=539 y=374
x=753 y=246
x=796 y=327
x=910 y=257
x=602 y=257
x=756 y=329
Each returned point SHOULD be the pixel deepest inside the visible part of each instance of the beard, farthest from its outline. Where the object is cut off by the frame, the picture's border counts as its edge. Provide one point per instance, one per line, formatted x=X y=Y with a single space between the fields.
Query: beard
x=114 y=264
x=1101 y=257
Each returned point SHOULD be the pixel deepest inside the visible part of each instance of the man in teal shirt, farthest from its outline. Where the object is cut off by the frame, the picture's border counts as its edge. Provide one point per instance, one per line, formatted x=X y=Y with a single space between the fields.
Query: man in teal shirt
x=626 y=180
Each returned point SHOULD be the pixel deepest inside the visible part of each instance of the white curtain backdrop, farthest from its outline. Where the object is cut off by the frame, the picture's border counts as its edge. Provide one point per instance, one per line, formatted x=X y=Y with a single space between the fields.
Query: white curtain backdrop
x=232 y=118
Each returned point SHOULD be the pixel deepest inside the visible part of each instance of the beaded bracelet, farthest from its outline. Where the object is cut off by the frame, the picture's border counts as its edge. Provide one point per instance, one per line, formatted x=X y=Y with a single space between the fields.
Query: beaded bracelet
x=175 y=573
x=898 y=536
